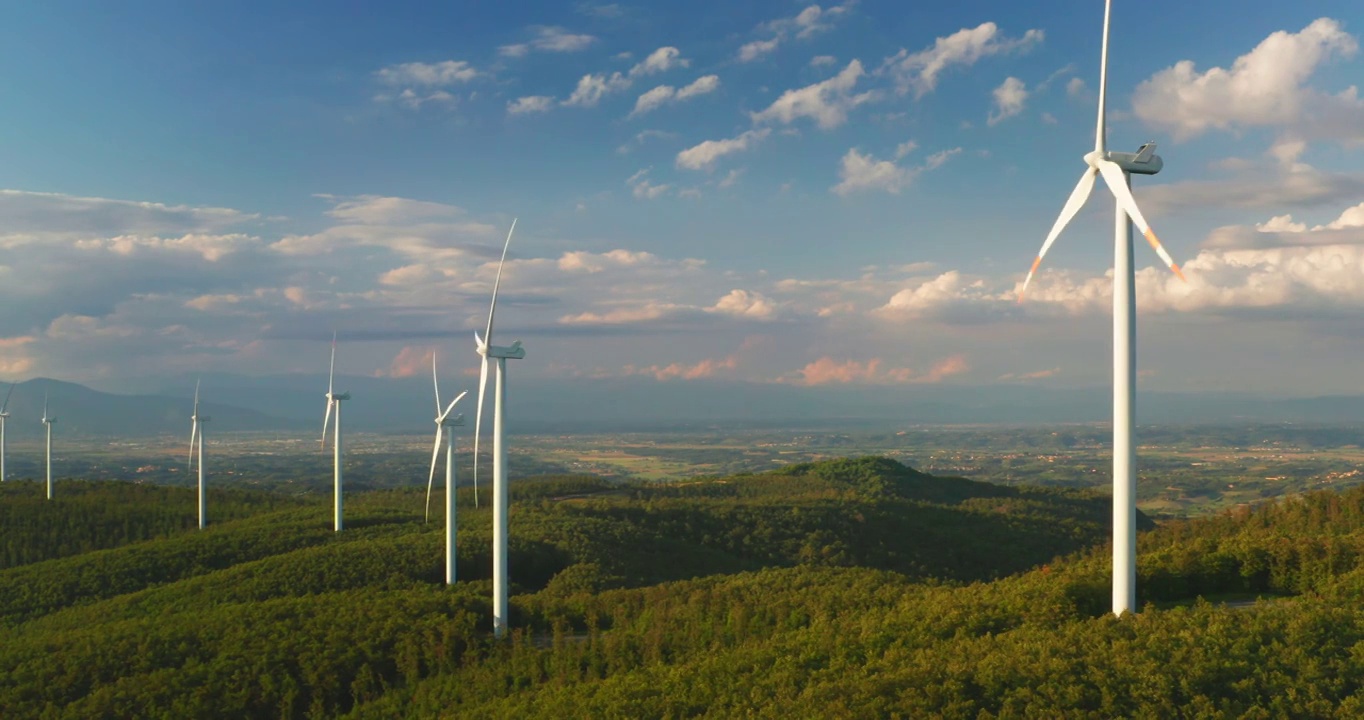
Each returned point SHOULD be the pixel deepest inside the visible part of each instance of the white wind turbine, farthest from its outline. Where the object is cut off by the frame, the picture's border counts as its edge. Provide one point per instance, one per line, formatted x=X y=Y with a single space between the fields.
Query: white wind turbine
x=47 y=421
x=1117 y=169
x=4 y=414
x=334 y=399
x=501 y=498
x=444 y=420
x=196 y=430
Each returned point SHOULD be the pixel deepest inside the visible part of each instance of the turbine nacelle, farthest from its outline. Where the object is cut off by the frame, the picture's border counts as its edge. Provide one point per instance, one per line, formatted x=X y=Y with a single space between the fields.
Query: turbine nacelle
x=1144 y=161
x=456 y=421
x=334 y=397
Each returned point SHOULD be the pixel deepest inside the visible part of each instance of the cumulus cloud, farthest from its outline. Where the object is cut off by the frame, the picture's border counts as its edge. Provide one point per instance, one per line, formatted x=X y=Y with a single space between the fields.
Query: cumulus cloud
x=1266 y=87
x=705 y=155
x=411 y=361
x=745 y=304
x=805 y=24
x=640 y=186
x=530 y=104
x=1284 y=231
x=548 y=39
x=826 y=102
x=920 y=71
x=664 y=94
x=592 y=88
x=858 y=172
x=1009 y=99
x=685 y=371
x=417 y=74
x=828 y=371
x=424 y=83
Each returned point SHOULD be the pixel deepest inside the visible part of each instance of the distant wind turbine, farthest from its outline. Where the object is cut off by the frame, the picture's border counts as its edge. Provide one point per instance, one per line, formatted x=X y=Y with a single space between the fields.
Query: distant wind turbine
x=1117 y=169
x=4 y=413
x=334 y=399
x=443 y=420
x=501 y=498
x=47 y=421
x=196 y=430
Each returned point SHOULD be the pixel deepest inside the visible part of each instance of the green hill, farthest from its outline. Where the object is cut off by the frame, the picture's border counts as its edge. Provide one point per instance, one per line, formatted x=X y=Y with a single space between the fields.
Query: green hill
x=850 y=588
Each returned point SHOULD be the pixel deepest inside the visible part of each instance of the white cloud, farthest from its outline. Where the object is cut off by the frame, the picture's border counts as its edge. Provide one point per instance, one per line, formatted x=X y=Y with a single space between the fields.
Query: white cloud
x=1075 y=87
x=664 y=94
x=1010 y=97
x=822 y=60
x=530 y=104
x=593 y=87
x=660 y=60
x=826 y=102
x=704 y=155
x=751 y=51
x=1264 y=88
x=1280 y=223
x=640 y=186
x=436 y=75
x=745 y=304
x=23 y=212
x=548 y=39
x=919 y=71
x=858 y=172
x=1283 y=231
x=414 y=100
x=1253 y=185
x=805 y=24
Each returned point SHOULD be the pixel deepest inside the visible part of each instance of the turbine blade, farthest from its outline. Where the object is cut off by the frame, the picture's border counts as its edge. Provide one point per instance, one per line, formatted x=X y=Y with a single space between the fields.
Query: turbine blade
x=451 y=406
x=488 y=335
x=1078 y=196
x=331 y=374
x=6 y=404
x=435 y=380
x=193 y=431
x=478 y=421
x=44 y=404
x=435 y=453
x=1101 y=130
x=1117 y=182
x=196 y=394
x=326 y=419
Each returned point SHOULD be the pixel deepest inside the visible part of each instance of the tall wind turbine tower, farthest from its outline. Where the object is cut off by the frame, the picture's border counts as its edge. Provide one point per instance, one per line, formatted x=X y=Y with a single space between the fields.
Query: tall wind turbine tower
x=47 y=421
x=501 y=498
x=196 y=430
x=1117 y=169
x=4 y=413
x=334 y=399
x=444 y=420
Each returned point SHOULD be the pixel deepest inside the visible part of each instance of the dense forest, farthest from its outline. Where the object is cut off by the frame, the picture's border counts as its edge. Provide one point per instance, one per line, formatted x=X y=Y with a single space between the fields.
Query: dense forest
x=847 y=588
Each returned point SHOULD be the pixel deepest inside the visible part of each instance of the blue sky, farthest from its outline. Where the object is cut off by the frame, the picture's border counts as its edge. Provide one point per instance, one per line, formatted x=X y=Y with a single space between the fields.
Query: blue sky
x=778 y=192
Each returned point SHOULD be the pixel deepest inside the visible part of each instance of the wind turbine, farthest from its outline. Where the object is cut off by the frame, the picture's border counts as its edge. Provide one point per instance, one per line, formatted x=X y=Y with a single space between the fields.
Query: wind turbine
x=334 y=399
x=196 y=429
x=1117 y=169
x=501 y=499
x=444 y=420
x=4 y=414
x=48 y=422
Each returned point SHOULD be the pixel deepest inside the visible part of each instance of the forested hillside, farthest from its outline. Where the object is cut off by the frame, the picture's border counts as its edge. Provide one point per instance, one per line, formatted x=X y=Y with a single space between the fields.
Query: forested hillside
x=852 y=588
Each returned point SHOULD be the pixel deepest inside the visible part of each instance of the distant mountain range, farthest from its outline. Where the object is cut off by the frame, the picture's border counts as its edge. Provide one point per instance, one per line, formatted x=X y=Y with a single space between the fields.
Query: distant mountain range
x=294 y=403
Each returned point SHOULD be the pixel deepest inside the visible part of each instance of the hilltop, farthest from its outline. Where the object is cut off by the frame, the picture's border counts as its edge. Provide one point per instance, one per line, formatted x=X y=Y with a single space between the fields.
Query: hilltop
x=855 y=584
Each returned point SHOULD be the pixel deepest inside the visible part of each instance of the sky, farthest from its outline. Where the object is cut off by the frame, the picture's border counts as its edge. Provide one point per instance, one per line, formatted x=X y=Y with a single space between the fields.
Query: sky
x=771 y=192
